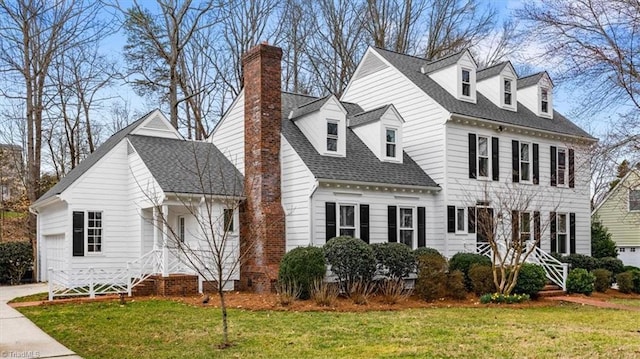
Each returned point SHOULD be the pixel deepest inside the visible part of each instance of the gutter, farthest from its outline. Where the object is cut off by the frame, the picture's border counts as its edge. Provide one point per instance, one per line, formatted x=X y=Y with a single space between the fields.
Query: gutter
x=314 y=188
x=376 y=184
x=34 y=208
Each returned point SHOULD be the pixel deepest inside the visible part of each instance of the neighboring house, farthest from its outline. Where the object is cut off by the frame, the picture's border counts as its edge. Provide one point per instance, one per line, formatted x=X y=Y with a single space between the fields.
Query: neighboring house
x=104 y=216
x=11 y=166
x=619 y=211
x=412 y=152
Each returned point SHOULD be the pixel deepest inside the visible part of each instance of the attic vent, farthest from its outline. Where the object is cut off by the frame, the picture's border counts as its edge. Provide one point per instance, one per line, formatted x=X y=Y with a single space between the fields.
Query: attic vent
x=370 y=65
x=130 y=149
x=157 y=124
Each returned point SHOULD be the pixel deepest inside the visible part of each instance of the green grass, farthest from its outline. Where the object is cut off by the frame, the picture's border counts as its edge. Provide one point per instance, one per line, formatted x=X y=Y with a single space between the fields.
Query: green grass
x=38 y=297
x=628 y=302
x=166 y=329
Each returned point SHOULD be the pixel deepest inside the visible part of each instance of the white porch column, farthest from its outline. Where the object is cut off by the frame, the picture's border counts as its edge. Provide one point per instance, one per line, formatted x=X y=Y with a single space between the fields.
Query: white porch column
x=165 y=248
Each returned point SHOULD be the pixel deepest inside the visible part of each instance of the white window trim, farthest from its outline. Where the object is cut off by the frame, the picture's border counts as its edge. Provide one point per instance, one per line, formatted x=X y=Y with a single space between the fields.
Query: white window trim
x=629 y=200
x=521 y=225
x=86 y=233
x=621 y=249
x=503 y=93
x=336 y=137
x=489 y=152
x=461 y=82
x=395 y=143
x=234 y=220
x=464 y=220
x=356 y=218
x=566 y=232
x=414 y=218
x=549 y=102
x=632 y=249
x=530 y=161
x=566 y=167
x=182 y=228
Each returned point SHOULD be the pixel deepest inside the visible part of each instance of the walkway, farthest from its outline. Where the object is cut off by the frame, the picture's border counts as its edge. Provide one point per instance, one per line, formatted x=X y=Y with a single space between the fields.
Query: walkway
x=19 y=337
x=594 y=303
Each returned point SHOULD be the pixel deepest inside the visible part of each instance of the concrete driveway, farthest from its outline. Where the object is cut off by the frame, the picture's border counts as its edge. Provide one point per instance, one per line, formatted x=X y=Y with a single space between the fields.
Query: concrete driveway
x=19 y=337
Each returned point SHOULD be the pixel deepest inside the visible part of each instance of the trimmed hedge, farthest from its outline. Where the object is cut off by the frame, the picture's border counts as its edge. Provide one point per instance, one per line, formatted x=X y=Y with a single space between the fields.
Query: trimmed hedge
x=580 y=281
x=464 y=261
x=603 y=279
x=531 y=279
x=301 y=267
x=613 y=265
x=481 y=276
x=394 y=260
x=625 y=282
x=432 y=277
x=426 y=250
x=581 y=261
x=16 y=258
x=455 y=285
x=351 y=259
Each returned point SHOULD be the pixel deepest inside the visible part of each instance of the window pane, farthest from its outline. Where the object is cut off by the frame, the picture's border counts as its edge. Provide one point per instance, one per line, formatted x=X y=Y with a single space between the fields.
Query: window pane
x=634 y=200
x=507 y=86
x=391 y=136
x=562 y=223
x=466 y=90
x=465 y=76
x=545 y=95
x=524 y=152
x=391 y=150
x=332 y=128
x=525 y=225
x=524 y=171
x=332 y=144
x=406 y=237
x=347 y=216
x=507 y=99
x=406 y=218
x=460 y=219
x=483 y=166
x=483 y=146
x=348 y=232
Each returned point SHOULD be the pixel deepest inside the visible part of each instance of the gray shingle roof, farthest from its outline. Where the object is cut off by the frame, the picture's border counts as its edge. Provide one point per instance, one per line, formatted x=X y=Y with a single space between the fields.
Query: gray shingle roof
x=181 y=166
x=490 y=71
x=91 y=160
x=309 y=107
x=529 y=80
x=484 y=109
x=359 y=164
x=440 y=63
x=367 y=116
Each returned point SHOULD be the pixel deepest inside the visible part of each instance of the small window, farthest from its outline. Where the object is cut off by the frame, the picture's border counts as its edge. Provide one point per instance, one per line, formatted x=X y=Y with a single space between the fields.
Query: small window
x=94 y=232
x=332 y=136
x=406 y=226
x=562 y=166
x=634 y=200
x=347 y=220
x=181 y=229
x=228 y=220
x=507 y=92
x=525 y=226
x=561 y=236
x=632 y=250
x=525 y=162
x=460 y=220
x=544 y=100
x=390 y=142
x=621 y=250
x=466 y=83
x=483 y=156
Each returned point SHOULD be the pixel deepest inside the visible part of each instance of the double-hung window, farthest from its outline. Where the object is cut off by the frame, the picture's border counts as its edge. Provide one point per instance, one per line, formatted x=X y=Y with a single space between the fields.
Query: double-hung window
x=507 y=92
x=347 y=220
x=561 y=230
x=390 y=141
x=562 y=166
x=460 y=220
x=544 y=100
x=634 y=200
x=525 y=226
x=228 y=220
x=181 y=228
x=483 y=156
x=525 y=162
x=94 y=232
x=332 y=136
x=406 y=226
x=466 y=83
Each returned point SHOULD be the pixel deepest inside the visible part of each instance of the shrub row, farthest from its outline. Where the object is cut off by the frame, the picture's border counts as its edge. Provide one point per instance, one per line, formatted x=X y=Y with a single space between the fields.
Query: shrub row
x=16 y=258
x=613 y=265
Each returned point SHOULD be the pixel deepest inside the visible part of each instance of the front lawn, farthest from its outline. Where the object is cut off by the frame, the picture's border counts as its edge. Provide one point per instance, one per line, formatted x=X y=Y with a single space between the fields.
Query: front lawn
x=625 y=301
x=169 y=329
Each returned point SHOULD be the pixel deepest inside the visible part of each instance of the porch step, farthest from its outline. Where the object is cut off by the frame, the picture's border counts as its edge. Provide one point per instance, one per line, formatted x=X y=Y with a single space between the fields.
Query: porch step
x=551 y=290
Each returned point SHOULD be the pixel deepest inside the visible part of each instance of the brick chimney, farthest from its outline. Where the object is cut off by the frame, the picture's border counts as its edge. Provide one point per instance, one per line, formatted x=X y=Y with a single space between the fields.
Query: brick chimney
x=262 y=219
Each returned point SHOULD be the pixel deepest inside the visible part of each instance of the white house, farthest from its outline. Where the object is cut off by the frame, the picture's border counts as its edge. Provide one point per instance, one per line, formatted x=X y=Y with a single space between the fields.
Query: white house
x=117 y=215
x=413 y=152
x=620 y=213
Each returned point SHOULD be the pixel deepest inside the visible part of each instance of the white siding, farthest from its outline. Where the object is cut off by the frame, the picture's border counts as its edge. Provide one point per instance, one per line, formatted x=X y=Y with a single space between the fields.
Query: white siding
x=228 y=135
x=314 y=127
x=144 y=190
x=378 y=201
x=53 y=219
x=374 y=134
x=105 y=187
x=464 y=192
x=493 y=88
x=297 y=184
x=447 y=77
x=528 y=97
x=157 y=126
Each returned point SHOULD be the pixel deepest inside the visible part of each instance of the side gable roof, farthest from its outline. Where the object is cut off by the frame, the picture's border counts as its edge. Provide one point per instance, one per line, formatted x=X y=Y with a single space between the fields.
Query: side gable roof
x=368 y=116
x=359 y=164
x=193 y=167
x=623 y=182
x=530 y=80
x=410 y=67
x=491 y=71
x=91 y=159
x=309 y=107
x=440 y=63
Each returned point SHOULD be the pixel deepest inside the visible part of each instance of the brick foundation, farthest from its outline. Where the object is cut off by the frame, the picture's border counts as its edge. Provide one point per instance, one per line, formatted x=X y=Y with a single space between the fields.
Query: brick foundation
x=176 y=285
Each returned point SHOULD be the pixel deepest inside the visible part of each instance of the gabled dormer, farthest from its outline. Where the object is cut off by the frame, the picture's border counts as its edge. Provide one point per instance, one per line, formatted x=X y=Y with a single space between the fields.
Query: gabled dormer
x=498 y=84
x=381 y=130
x=535 y=93
x=324 y=123
x=456 y=74
x=157 y=125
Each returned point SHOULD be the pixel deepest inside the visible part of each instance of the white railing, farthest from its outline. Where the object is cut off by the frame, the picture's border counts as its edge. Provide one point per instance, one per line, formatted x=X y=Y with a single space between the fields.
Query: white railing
x=143 y=267
x=557 y=271
x=91 y=281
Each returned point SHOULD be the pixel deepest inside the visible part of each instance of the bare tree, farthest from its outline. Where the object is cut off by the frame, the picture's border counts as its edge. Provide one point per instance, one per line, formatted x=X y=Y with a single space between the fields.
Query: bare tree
x=392 y=23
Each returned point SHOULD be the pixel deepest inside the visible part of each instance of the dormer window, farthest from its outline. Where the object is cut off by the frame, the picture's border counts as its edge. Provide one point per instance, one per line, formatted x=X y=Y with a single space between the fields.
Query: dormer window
x=507 y=92
x=466 y=83
x=544 y=100
x=390 y=142
x=332 y=136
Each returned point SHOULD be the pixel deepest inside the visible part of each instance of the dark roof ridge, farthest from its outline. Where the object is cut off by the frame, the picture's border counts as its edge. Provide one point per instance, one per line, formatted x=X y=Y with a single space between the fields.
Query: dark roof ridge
x=492 y=66
x=432 y=62
x=326 y=97
x=532 y=75
x=400 y=53
x=372 y=110
x=297 y=94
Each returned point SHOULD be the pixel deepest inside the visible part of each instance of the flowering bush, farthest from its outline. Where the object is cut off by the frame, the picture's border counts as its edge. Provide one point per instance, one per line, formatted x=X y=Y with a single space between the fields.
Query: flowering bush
x=502 y=298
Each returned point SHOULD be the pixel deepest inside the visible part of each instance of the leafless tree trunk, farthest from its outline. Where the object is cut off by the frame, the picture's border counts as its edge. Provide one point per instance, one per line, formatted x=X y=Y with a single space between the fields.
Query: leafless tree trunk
x=392 y=23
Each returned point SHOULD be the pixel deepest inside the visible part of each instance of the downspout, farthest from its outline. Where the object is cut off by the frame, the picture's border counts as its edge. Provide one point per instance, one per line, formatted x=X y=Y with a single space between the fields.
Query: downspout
x=311 y=232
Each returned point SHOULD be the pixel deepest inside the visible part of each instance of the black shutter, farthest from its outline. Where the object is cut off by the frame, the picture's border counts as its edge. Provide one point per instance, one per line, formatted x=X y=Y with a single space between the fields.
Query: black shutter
x=472 y=155
x=572 y=182
x=572 y=232
x=330 y=220
x=451 y=219
x=422 y=231
x=554 y=158
x=392 y=225
x=78 y=234
x=515 y=161
x=515 y=226
x=537 y=228
x=495 y=158
x=364 y=222
x=554 y=236
x=471 y=219
x=536 y=164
